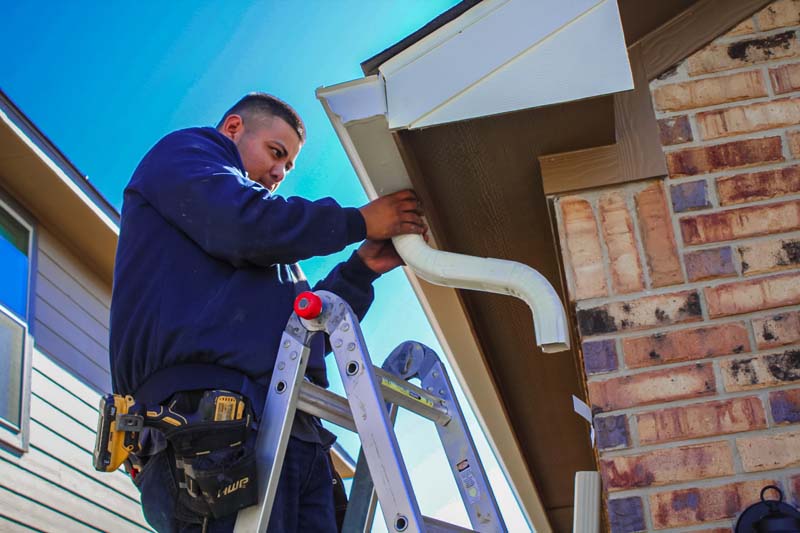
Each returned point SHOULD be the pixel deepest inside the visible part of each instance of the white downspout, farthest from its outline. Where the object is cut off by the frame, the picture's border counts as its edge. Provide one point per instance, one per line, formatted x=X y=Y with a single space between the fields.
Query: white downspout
x=492 y=275
x=366 y=98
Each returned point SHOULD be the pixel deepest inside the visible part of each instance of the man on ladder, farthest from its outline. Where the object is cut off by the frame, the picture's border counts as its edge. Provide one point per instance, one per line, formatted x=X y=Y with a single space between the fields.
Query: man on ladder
x=203 y=289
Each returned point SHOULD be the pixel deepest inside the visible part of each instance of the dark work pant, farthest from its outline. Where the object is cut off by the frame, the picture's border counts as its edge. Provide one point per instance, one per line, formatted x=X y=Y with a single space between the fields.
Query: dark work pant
x=303 y=502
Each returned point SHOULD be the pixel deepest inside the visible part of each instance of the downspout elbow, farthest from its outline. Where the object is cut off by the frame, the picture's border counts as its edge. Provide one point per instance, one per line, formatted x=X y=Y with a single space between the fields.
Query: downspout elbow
x=492 y=275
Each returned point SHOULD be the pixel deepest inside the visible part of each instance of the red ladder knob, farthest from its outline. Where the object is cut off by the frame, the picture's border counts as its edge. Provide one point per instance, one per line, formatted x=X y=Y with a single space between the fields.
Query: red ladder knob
x=308 y=305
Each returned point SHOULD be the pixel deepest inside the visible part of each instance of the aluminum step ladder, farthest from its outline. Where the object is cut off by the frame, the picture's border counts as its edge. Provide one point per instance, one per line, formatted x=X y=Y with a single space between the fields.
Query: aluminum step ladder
x=373 y=395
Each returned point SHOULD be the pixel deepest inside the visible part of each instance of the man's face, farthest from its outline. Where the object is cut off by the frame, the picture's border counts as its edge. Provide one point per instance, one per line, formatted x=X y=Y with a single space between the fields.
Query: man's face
x=268 y=147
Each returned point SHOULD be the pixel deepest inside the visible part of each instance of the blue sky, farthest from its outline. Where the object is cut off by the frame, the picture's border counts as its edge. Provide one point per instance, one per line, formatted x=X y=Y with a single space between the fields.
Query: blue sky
x=105 y=80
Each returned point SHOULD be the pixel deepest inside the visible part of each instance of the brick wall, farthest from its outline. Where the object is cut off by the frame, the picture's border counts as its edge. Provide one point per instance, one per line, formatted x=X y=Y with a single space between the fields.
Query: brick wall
x=687 y=291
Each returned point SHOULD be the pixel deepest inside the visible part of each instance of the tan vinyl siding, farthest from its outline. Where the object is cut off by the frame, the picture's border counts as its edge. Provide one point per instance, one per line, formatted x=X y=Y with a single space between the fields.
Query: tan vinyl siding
x=55 y=487
x=71 y=312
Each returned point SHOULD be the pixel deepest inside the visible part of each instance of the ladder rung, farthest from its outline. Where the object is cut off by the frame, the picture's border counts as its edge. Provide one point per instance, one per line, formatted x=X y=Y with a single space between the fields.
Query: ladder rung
x=325 y=404
x=330 y=406
x=433 y=525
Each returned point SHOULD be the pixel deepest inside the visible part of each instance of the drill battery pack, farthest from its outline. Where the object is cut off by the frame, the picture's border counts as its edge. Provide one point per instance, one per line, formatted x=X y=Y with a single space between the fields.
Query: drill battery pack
x=118 y=427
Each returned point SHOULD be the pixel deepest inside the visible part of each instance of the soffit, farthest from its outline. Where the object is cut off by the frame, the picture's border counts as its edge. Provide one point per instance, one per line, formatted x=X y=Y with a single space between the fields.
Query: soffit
x=484 y=180
x=54 y=198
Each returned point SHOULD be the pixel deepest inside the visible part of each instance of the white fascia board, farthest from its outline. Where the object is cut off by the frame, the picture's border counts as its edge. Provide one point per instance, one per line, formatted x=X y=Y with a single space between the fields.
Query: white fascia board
x=464 y=54
x=60 y=174
x=354 y=100
x=342 y=105
x=583 y=59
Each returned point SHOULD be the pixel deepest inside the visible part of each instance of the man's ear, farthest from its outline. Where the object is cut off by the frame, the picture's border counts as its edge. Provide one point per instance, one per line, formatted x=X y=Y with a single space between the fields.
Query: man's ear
x=232 y=127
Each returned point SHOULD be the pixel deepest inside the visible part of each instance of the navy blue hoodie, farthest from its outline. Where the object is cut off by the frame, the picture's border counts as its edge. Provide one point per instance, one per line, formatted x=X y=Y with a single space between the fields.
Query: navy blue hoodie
x=201 y=271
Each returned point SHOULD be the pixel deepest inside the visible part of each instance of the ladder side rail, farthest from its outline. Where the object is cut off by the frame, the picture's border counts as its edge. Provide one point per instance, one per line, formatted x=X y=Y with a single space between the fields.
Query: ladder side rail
x=468 y=471
x=379 y=442
x=363 y=502
x=276 y=423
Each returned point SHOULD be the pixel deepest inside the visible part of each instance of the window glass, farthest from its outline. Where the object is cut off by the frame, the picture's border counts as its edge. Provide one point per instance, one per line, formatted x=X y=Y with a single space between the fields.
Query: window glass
x=13 y=264
x=12 y=356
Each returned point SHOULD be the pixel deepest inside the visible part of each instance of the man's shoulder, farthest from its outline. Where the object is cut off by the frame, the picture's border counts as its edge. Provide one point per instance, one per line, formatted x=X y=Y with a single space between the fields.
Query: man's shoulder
x=197 y=142
x=194 y=136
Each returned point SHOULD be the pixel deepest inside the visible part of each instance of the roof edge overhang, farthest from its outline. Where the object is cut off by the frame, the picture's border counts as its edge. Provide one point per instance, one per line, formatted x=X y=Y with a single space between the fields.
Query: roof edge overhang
x=40 y=178
x=357 y=112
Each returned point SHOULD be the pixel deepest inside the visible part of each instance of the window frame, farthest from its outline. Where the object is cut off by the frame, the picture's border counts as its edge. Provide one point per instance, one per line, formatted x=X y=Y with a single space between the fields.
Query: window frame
x=11 y=435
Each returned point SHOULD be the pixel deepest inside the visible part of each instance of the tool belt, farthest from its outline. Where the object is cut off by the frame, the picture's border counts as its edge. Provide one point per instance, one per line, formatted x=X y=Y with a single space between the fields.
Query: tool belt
x=211 y=444
x=215 y=460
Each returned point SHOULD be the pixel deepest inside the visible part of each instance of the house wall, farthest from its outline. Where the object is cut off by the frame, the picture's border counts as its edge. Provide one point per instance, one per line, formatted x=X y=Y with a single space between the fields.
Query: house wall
x=71 y=312
x=686 y=291
x=53 y=486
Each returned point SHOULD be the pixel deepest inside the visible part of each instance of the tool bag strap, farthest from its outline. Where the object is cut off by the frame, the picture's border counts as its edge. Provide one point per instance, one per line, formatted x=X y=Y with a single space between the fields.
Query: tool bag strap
x=199 y=376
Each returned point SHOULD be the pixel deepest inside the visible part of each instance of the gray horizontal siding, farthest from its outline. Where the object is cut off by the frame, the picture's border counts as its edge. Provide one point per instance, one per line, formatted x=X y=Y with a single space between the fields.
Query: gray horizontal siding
x=53 y=487
x=71 y=313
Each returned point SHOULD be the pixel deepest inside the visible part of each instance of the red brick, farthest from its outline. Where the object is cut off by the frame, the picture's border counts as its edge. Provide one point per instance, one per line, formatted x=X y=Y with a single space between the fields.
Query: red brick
x=785 y=406
x=642 y=313
x=686 y=344
x=795 y=483
x=672 y=465
x=725 y=56
x=626 y=515
x=758 y=185
x=736 y=154
x=656 y=386
x=685 y=507
x=777 y=330
x=794 y=143
x=701 y=420
x=770 y=370
x=712 y=530
x=655 y=225
x=674 y=130
x=709 y=91
x=780 y=14
x=753 y=295
x=709 y=264
x=583 y=247
x=770 y=256
x=769 y=452
x=740 y=223
x=786 y=78
x=626 y=269
x=750 y=118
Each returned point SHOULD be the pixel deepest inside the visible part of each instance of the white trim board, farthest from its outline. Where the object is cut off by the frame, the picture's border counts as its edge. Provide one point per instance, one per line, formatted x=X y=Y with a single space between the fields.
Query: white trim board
x=506 y=56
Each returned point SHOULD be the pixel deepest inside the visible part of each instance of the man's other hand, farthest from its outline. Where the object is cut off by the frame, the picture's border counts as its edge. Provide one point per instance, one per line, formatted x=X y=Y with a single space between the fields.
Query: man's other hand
x=392 y=215
x=379 y=256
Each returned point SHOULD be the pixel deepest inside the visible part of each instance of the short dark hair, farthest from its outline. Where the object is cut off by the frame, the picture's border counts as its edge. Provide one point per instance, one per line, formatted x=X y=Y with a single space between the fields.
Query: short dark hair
x=267 y=105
